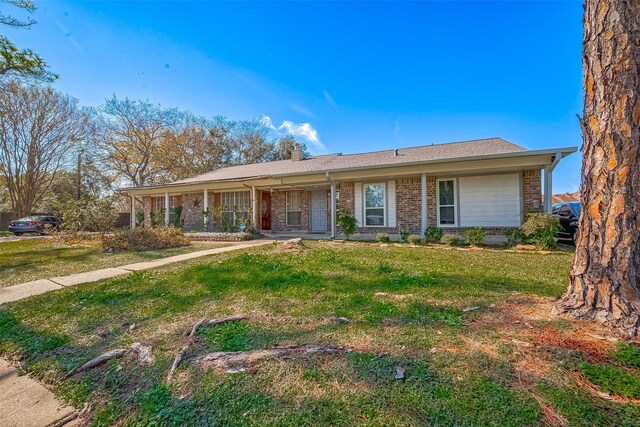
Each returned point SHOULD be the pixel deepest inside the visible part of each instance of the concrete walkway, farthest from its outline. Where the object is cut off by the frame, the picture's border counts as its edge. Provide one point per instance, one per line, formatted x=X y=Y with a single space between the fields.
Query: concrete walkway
x=36 y=287
x=25 y=402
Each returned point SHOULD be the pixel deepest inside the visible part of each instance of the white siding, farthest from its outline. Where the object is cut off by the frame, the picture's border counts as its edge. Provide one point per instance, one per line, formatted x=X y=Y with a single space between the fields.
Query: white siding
x=490 y=201
x=357 y=195
x=391 y=203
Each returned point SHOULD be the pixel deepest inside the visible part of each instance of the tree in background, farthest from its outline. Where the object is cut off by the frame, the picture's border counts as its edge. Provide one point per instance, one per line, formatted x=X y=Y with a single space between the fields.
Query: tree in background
x=283 y=146
x=199 y=146
x=128 y=139
x=16 y=62
x=605 y=278
x=38 y=128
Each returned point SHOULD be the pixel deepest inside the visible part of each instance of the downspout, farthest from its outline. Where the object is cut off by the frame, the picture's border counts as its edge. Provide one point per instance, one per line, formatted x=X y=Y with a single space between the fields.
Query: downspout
x=548 y=182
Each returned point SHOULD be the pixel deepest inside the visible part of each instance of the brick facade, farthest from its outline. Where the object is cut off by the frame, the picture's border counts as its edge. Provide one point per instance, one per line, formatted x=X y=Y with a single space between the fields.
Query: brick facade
x=192 y=207
x=146 y=206
x=279 y=212
x=409 y=203
x=408 y=207
x=432 y=203
x=531 y=191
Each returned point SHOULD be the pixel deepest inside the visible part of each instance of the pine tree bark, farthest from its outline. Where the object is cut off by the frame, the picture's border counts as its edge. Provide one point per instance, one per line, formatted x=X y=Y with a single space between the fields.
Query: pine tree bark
x=605 y=278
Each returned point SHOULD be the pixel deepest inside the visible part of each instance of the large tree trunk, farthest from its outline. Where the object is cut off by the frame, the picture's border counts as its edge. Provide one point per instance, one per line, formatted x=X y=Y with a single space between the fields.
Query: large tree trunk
x=605 y=279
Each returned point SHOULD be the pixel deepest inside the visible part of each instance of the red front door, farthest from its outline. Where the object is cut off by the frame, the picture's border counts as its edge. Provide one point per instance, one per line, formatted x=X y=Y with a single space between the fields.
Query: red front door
x=265 y=210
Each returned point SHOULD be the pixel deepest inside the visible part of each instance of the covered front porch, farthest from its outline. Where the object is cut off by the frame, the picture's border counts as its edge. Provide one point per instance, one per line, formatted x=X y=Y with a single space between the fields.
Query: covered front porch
x=271 y=208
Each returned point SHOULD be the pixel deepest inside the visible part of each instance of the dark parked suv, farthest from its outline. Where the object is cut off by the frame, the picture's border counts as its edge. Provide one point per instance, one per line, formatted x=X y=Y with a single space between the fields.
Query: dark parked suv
x=34 y=224
x=568 y=214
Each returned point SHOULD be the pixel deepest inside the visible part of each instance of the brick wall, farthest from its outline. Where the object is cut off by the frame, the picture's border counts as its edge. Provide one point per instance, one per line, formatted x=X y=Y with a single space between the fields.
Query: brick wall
x=409 y=203
x=432 y=204
x=279 y=212
x=192 y=207
x=346 y=196
x=531 y=191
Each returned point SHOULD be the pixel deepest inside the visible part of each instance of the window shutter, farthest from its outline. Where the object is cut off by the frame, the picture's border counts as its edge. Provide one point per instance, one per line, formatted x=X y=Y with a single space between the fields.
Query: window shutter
x=357 y=195
x=391 y=203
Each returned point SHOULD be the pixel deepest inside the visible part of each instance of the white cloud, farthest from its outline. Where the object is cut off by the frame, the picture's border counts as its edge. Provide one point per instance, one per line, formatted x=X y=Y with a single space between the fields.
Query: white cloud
x=303 y=130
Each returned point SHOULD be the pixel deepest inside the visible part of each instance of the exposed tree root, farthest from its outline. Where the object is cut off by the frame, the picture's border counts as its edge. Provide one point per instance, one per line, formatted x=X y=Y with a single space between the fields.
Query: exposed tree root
x=176 y=362
x=246 y=359
x=103 y=358
x=622 y=319
x=145 y=357
x=143 y=353
x=213 y=322
x=203 y=323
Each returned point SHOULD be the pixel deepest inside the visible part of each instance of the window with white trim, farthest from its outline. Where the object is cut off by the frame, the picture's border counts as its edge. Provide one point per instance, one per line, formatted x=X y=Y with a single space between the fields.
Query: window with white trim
x=294 y=208
x=374 y=205
x=446 y=202
x=235 y=208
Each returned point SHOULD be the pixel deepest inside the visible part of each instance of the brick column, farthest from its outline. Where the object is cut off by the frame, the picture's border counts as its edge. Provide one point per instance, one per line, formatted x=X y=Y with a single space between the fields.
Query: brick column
x=146 y=207
x=432 y=204
x=531 y=191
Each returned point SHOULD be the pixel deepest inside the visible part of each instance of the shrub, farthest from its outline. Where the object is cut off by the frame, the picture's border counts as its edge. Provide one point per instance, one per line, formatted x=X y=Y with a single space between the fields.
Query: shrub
x=415 y=239
x=540 y=229
x=433 y=234
x=474 y=236
x=177 y=216
x=144 y=239
x=383 y=238
x=449 y=239
x=404 y=234
x=514 y=236
x=347 y=222
x=88 y=214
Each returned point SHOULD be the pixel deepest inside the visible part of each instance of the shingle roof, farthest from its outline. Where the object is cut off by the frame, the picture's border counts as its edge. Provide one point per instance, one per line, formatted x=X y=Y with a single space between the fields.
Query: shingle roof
x=332 y=162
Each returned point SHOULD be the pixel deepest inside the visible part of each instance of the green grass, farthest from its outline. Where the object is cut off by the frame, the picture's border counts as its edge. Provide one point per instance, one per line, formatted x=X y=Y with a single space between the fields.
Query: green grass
x=5 y=234
x=401 y=301
x=612 y=379
x=26 y=260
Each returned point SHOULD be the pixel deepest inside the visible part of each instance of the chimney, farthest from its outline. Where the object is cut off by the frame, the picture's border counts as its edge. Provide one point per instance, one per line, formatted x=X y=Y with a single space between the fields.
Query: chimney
x=296 y=153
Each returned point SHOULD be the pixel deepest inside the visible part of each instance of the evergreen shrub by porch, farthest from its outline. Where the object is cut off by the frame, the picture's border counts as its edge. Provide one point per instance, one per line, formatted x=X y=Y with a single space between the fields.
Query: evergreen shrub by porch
x=540 y=229
x=433 y=234
x=415 y=239
x=514 y=236
x=383 y=238
x=404 y=234
x=474 y=236
x=144 y=239
x=449 y=239
x=347 y=222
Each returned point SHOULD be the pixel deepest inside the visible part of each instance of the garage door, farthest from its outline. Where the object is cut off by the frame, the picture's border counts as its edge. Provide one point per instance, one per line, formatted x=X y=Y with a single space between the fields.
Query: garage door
x=490 y=201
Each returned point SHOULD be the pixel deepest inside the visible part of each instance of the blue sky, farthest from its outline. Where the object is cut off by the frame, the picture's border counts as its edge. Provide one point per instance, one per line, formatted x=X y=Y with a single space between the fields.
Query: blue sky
x=347 y=77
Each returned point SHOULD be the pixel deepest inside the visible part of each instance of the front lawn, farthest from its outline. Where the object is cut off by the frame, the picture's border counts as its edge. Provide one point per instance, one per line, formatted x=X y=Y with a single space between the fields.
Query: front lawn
x=26 y=260
x=470 y=328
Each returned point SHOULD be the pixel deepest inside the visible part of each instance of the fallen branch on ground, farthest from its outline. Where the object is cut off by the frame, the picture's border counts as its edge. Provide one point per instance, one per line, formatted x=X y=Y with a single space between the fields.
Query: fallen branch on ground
x=235 y=359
